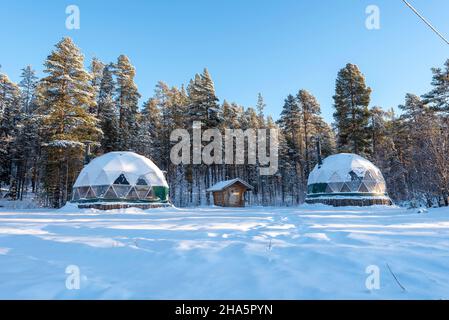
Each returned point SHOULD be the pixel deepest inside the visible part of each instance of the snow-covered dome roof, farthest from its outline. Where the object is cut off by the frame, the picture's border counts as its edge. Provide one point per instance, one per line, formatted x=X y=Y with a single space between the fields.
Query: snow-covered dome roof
x=346 y=173
x=106 y=169
x=120 y=177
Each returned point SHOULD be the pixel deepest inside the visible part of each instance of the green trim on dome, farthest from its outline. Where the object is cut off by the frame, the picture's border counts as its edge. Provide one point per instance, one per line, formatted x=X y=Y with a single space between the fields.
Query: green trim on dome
x=316 y=188
x=161 y=192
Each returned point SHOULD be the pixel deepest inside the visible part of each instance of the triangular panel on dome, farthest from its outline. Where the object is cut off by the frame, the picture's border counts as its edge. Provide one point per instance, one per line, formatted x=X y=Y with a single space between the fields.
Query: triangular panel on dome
x=132 y=194
x=154 y=178
x=369 y=176
x=377 y=174
x=83 y=192
x=121 y=190
x=335 y=177
x=90 y=194
x=102 y=179
x=100 y=191
x=142 y=191
x=336 y=186
x=110 y=194
x=322 y=177
x=345 y=188
x=121 y=180
x=363 y=188
x=370 y=185
x=354 y=185
x=83 y=179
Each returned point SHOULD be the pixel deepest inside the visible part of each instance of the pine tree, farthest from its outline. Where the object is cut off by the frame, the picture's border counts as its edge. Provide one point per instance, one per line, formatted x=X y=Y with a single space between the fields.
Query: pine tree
x=127 y=101
x=310 y=111
x=150 y=130
x=438 y=97
x=66 y=97
x=107 y=111
x=351 y=101
x=96 y=73
x=26 y=142
x=231 y=114
x=204 y=105
x=9 y=119
x=290 y=153
x=290 y=120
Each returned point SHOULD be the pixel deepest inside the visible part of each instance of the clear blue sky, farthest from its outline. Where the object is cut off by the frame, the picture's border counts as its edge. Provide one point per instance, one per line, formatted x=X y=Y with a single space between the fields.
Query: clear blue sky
x=249 y=46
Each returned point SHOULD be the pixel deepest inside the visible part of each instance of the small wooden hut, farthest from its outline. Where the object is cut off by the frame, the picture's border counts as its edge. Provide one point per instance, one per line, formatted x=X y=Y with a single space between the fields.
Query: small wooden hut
x=230 y=193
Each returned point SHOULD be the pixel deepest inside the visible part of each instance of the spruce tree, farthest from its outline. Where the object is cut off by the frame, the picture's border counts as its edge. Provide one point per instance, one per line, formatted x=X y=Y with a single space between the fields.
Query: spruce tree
x=351 y=101
x=260 y=107
x=290 y=120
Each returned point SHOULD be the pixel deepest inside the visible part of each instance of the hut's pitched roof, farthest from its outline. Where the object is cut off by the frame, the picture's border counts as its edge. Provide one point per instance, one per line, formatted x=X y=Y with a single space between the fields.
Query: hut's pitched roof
x=220 y=186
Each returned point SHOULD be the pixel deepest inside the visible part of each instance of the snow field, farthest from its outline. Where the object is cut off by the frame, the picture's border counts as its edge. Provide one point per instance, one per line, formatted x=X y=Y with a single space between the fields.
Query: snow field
x=306 y=252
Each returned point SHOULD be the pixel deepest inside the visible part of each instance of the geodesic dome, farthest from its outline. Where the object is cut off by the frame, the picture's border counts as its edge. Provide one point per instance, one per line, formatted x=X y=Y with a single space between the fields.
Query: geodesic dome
x=347 y=176
x=120 y=177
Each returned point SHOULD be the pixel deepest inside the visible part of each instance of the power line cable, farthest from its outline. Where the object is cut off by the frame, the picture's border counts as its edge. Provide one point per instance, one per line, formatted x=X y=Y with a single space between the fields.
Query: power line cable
x=427 y=22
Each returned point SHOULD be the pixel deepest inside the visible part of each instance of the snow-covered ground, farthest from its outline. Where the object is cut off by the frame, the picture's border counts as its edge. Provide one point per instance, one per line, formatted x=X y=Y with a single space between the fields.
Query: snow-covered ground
x=308 y=252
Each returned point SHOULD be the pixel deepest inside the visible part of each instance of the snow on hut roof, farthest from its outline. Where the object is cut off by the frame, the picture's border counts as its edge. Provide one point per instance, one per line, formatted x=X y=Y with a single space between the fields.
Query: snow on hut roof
x=220 y=186
x=340 y=165
x=105 y=169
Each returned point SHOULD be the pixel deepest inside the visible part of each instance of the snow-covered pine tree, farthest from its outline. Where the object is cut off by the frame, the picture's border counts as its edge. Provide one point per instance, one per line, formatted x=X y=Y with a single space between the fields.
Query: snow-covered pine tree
x=438 y=97
x=150 y=129
x=293 y=178
x=438 y=100
x=28 y=88
x=327 y=137
x=260 y=107
x=96 y=71
x=204 y=105
x=310 y=110
x=127 y=99
x=384 y=151
x=66 y=97
x=9 y=119
x=27 y=142
x=426 y=151
x=351 y=101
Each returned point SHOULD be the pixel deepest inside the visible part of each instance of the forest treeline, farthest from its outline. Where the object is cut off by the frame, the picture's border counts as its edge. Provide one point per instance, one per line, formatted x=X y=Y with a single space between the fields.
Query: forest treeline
x=45 y=124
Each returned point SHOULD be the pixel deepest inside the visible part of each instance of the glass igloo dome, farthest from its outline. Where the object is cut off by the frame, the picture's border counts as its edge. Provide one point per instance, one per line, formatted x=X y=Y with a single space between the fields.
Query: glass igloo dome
x=347 y=179
x=120 y=177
